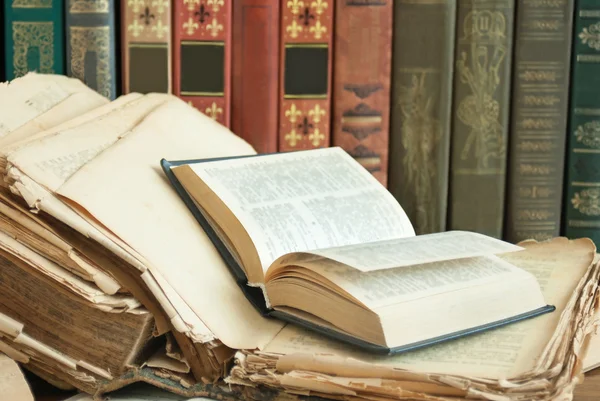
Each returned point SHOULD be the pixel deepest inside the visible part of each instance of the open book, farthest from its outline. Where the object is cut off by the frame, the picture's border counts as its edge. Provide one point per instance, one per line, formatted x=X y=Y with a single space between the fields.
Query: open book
x=314 y=239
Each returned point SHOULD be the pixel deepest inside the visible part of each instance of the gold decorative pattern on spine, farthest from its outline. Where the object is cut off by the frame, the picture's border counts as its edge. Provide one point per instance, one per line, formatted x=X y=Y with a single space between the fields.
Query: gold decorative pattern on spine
x=199 y=13
x=31 y=3
x=591 y=36
x=306 y=15
x=587 y=201
x=421 y=134
x=213 y=111
x=485 y=31
x=27 y=35
x=89 y=6
x=293 y=137
x=97 y=40
x=589 y=134
x=148 y=18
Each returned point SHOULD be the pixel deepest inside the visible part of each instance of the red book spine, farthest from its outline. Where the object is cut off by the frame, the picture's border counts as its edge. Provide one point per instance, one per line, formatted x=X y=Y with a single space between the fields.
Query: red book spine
x=361 y=92
x=255 y=78
x=305 y=74
x=202 y=56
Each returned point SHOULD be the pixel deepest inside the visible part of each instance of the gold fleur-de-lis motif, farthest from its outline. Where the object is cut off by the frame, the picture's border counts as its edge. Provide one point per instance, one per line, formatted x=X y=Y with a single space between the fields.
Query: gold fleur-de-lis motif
x=216 y=4
x=160 y=29
x=293 y=113
x=136 y=28
x=191 y=4
x=319 y=6
x=316 y=137
x=213 y=111
x=136 y=5
x=214 y=27
x=292 y=138
x=295 y=6
x=190 y=26
x=316 y=113
x=318 y=30
x=294 y=29
x=161 y=5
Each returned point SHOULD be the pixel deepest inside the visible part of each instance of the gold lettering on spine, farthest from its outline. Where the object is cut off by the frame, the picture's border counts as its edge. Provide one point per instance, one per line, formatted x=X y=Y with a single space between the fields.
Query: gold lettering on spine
x=27 y=35
x=31 y=3
x=97 y=40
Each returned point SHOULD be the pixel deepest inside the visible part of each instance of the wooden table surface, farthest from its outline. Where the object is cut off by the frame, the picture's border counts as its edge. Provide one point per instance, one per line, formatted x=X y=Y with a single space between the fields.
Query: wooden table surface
x=589 y=390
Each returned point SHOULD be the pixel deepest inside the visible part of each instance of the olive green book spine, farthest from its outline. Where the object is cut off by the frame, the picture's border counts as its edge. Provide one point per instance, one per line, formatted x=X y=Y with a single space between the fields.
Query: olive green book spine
x=582 y=187
x=480 y=113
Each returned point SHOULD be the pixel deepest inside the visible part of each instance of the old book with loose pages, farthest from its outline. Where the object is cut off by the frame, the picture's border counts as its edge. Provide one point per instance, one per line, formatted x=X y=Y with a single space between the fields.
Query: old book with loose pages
x=314 y=239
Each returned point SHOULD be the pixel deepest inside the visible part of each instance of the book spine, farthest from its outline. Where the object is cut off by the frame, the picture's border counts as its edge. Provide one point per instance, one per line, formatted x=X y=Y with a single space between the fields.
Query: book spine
x=255 y=73
x=361 y=90
x=541 y=72
x=421 y=110
x=305 y=74
x=582 y=208
x=34 y=37
x=91 y=46
x=480 y=111
x=146 y=46
x=202 y=56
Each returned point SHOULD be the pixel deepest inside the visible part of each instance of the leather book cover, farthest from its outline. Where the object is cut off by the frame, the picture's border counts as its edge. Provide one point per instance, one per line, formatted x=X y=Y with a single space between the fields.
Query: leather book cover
x=541 y=73
x=362 y=51
x=480 y=111
x=421 y=109
x=305 y=74
x=202 y=56
x=255 y=73
x=582 y=192
x=33 y=37
x=91 y=45
x=146 y=46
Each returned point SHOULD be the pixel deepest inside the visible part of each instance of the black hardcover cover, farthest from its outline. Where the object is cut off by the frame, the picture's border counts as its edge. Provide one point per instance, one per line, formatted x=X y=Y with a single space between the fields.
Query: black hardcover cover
x=255 y=295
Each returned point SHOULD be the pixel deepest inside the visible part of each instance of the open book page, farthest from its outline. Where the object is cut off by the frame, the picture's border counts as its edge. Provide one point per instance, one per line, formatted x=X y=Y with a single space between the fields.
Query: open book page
x=592 y=357
x=302 y=201
x=149 y=216
x=52 y=159
x=507 y=351
x=381 y=288
x=13 y=385
x=402 y=252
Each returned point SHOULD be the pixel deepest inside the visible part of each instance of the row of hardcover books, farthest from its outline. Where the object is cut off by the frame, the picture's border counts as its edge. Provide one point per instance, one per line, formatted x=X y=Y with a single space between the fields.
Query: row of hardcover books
x=480 y=115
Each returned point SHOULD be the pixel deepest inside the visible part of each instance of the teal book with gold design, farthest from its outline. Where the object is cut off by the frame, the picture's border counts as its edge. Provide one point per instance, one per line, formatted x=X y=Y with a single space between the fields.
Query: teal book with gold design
x=33 y=37
x=582 y=203
x=90 y=45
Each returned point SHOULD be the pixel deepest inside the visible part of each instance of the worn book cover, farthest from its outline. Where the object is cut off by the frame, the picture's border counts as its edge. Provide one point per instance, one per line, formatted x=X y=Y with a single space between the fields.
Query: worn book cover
x=91 y=44
x=480 y=111
x=540 y=95
x=582 y=209
x=33 y=37
x=421 y=109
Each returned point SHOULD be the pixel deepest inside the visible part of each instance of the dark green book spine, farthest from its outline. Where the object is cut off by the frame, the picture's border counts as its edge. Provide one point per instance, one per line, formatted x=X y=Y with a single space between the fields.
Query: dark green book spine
x=34 y=37
x=582 y=203
x=480 y=111
x=91 y=54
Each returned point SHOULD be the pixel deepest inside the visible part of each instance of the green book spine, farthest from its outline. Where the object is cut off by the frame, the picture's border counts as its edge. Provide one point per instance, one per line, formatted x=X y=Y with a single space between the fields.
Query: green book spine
x=582 y=203
x=481 y=106
x=34 y=37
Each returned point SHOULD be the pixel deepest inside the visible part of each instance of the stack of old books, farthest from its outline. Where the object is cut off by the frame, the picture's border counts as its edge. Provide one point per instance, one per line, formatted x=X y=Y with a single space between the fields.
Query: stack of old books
x=141 y=241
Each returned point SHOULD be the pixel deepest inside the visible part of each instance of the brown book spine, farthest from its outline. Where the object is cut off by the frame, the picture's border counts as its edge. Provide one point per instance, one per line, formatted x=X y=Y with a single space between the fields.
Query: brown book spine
x=361 y=87
x=421 y=110
x=480 y=111
x=538 y=119
x=202 y=56
x=305 y=74
x=146 y=46
x=255 y=73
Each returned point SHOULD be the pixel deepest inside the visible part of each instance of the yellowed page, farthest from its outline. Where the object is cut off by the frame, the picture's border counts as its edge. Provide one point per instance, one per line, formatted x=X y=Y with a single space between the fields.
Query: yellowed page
x=125 y=189
x=558 y=266
x=301 y=201
x=13 y=385
x=592 y=358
